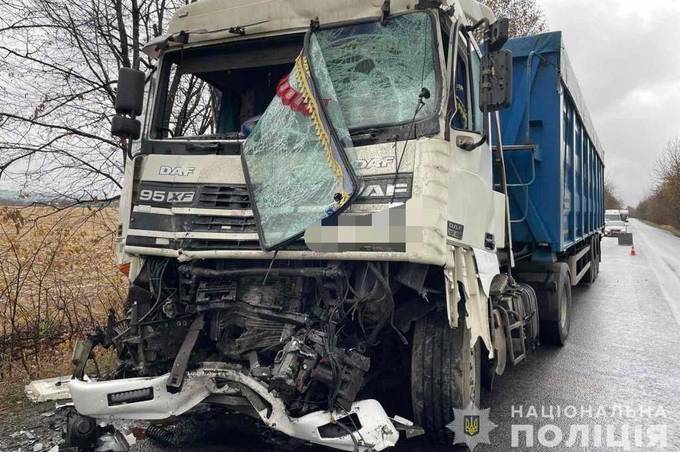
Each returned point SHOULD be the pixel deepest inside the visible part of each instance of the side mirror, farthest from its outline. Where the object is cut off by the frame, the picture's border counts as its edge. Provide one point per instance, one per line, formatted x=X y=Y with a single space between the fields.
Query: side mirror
x=496 y=81
x=130 y=95
x=129 y=103
x=124 y=127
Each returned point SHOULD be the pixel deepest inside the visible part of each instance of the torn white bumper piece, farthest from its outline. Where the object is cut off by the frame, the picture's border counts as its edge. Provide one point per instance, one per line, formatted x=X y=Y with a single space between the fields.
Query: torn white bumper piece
x=148 y=398
x=48 y=389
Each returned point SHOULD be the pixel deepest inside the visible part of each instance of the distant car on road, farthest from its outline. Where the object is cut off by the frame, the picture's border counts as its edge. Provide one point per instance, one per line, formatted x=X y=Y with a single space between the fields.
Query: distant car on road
x=614 y=223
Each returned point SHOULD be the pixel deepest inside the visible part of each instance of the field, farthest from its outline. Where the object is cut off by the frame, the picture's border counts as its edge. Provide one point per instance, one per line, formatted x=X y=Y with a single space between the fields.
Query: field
x=58 y=280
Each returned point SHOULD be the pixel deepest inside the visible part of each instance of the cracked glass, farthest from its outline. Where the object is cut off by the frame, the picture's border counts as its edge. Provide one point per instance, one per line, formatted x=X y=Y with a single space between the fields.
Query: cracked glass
x=353 y=76
x=378 y=70
x=294 y=159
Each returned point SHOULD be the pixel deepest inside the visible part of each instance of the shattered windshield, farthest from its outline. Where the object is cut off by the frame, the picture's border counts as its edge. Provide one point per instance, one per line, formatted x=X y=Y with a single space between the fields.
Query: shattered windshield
x=294 y=159
x=379 y=70
x=355 y=76
x=295 y=114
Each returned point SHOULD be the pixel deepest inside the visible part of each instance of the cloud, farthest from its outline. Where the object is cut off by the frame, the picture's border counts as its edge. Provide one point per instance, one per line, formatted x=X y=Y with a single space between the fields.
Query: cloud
x=625 y=56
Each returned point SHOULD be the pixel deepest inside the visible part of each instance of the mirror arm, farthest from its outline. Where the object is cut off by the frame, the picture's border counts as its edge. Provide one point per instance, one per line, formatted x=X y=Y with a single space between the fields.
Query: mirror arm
x=467 y=146
x=128 y=151
x=474 y=27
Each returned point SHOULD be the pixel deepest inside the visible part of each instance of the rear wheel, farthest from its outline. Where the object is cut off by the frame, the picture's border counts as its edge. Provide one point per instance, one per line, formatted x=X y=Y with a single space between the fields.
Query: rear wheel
x=445 y=374
x=556 y=330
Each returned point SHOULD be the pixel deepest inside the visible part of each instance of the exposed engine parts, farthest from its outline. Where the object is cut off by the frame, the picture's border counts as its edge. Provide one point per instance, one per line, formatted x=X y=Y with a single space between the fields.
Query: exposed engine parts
x=306 y=332
x=304 y=361
x=304 y=348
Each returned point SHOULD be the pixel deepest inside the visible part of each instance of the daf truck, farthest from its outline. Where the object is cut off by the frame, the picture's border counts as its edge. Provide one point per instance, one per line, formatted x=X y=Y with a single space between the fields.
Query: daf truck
x=319 y=216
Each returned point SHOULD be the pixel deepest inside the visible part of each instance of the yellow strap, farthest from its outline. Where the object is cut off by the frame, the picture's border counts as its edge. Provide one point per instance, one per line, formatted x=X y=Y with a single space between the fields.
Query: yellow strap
x=301 y=73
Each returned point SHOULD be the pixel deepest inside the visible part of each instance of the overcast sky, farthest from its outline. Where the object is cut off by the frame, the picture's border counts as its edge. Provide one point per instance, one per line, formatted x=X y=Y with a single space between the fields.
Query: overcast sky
x=625 y=54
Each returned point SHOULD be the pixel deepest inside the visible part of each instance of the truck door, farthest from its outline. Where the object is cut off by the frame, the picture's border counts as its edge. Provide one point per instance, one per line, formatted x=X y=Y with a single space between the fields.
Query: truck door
x=473 y=204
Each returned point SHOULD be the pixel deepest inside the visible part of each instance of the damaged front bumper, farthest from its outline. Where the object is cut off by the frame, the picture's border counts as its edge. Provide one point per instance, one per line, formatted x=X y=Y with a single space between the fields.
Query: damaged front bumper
x=365 y=427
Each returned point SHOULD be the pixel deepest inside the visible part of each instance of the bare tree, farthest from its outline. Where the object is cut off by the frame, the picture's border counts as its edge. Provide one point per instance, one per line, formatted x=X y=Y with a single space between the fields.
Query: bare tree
x=611 y=197
x=57 y=80
x=662 y=206
x=668 y=173
x=526 y=17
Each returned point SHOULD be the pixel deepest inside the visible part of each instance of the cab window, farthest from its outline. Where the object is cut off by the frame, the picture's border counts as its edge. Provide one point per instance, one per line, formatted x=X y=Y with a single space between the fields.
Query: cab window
x=464 y=109
x=475 y=70
x=459 y=98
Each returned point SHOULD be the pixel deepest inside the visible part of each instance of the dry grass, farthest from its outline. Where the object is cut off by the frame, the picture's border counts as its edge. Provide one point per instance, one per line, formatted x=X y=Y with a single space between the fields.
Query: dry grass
x=670 y=229
x=665 y=227
x=57 y=281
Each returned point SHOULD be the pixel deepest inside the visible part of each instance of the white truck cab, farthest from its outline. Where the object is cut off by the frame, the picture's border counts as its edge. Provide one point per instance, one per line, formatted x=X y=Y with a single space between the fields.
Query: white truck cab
x=309 y=210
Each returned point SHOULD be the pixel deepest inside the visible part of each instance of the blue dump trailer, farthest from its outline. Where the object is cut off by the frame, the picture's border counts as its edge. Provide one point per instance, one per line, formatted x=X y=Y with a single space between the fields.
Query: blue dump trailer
x=553 y=157
x=555 y=176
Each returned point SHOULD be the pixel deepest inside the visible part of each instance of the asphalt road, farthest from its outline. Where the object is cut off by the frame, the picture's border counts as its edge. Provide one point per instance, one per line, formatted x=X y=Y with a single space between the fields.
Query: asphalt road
x=623 y=350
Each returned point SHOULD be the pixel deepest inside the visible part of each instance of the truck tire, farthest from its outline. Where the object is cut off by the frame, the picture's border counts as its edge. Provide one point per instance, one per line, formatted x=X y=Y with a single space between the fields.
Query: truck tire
x=555 y=331
x=445 y=374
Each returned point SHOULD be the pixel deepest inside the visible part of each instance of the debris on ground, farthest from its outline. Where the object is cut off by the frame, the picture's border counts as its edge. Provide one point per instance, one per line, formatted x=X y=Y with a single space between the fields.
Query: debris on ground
x=34 y=427
x=48 y=389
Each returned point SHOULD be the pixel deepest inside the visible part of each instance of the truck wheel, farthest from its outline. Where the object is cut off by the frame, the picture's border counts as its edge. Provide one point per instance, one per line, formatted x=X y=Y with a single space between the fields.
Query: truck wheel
x=556 y=330
x=445 y=374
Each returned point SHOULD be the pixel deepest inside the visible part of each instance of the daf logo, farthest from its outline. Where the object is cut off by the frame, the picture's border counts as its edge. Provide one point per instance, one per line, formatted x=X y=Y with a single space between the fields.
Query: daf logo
x=176 y=171
x=380 y=191
x=375 y=162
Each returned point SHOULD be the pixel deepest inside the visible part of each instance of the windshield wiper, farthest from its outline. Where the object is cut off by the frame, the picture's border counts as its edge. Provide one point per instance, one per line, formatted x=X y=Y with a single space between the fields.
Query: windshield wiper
x=241 y=29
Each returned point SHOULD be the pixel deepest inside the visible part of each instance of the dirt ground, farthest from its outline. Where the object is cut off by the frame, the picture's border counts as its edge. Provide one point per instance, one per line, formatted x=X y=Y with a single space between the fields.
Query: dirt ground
x=29 y=427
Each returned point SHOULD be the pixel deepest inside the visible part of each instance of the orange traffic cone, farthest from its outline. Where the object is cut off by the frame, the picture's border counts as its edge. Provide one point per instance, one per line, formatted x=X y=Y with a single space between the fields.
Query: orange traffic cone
x=632 y=251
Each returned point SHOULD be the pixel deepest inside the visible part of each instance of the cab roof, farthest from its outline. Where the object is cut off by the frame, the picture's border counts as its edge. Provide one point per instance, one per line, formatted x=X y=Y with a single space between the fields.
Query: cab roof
x=210 y=20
